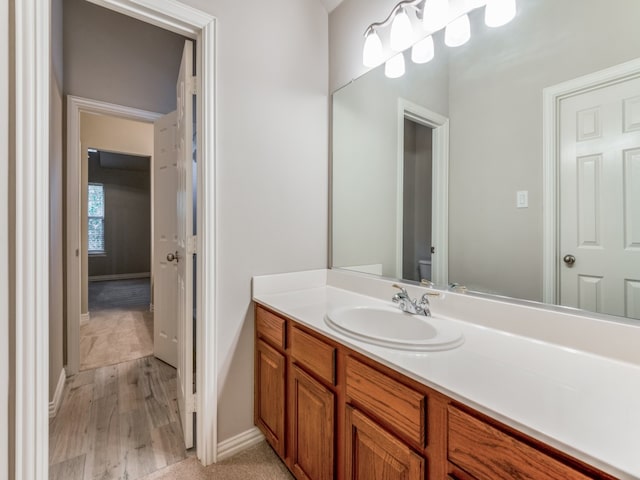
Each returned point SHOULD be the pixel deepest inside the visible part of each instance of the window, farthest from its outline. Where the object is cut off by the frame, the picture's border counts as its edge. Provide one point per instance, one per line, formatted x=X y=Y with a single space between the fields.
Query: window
x=96 y=218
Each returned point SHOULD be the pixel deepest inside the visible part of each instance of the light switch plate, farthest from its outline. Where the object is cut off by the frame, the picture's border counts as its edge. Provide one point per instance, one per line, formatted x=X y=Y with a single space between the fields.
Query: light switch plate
x=522 y=199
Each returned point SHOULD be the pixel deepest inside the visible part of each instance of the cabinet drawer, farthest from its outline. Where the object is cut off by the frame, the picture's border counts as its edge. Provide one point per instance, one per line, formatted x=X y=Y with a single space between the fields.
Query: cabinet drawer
x=402 y=408
x=318 y=357
x=270 y=327
x=491 y=454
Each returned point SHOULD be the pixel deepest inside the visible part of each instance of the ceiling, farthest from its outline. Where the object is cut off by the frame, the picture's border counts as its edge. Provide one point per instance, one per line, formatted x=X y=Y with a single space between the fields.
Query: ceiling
x=331 y=4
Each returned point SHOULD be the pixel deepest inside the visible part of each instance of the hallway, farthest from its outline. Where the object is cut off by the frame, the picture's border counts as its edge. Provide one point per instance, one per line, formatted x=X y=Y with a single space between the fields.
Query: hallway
x=117 y=422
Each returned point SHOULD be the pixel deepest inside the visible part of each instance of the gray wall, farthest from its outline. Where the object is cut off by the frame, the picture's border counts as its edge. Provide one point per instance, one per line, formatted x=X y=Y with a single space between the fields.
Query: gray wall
x=127 y=220
x=365 y=160
x=117 y=59
x=272 y=181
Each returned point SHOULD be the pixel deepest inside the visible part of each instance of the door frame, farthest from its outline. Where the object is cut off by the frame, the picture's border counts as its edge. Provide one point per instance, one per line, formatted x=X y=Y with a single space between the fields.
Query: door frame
x=552 y=96
x=76 y=106
x=440 y=186
x=32 y=76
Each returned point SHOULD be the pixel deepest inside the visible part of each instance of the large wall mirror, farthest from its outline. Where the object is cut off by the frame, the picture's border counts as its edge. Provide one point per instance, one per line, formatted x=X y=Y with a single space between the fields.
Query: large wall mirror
x=441 y=174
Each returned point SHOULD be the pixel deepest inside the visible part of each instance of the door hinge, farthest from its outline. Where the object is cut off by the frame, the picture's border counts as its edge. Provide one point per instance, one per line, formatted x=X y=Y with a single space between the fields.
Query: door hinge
x=194 y=85
x=191 y=245
x=191 y=406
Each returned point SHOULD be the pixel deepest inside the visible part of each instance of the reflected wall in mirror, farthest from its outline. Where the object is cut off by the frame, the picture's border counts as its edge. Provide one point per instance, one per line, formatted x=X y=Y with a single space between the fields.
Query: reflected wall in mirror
x=491 y=91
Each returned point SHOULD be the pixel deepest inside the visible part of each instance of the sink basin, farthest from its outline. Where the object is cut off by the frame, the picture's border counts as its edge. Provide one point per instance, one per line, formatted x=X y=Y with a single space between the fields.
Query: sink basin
x=391 y=327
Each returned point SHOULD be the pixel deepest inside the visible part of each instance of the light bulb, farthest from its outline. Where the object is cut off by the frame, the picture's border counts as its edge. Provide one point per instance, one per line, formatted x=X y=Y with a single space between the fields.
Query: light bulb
x=435 y=14
x=423 y=51
x=372 y=51
x=499 y=12
x=401 y=36
x=458 y=32
x=394 y=67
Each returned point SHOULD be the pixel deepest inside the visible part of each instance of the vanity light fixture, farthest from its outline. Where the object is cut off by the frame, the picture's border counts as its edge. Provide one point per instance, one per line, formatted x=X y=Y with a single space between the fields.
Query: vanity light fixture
x=435 y=14
x=423 y=51
x=372 y=51
x=458 y=32
x=499 y=12
x=394 y=68
x=401 y=36
x=432 y=15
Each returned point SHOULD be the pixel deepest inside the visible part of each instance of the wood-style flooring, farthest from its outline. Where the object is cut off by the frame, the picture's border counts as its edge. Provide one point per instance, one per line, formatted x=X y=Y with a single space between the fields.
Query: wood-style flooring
x=114 y=336
x=117 y=422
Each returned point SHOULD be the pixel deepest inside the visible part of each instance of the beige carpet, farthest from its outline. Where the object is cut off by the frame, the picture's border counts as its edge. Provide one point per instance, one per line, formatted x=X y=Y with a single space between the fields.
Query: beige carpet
x=255 y=463
x=115 y=336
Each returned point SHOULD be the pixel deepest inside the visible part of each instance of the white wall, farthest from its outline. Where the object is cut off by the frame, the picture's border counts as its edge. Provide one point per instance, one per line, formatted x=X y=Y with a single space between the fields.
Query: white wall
x=272 y=168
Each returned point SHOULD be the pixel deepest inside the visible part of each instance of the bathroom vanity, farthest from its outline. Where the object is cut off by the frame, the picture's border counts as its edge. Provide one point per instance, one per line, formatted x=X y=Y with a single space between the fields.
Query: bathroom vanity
x=500 y=406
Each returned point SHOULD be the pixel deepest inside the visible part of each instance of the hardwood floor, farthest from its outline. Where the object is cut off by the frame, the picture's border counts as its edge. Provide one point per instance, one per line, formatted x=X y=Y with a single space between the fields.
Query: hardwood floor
x=117 y=422
x=115 y=335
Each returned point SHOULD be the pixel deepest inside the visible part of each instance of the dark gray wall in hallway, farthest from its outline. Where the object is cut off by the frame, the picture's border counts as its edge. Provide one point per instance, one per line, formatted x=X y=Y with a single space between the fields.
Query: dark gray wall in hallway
x=127 y=220
x=117 y=59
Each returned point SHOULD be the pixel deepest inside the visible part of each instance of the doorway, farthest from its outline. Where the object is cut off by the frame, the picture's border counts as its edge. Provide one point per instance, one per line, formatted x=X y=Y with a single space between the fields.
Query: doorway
x=592 y=160
x=417 y=193
x=422 y=238
x=33 y=41
x=117 y=226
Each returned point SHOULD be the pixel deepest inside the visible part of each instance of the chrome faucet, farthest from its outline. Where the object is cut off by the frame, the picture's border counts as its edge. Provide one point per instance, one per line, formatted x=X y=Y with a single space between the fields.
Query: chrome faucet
x=408 y=305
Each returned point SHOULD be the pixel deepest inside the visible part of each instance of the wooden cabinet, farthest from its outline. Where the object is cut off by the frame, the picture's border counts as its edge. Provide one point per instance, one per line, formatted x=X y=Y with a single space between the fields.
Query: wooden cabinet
x=333 y=413
x=312 y=416
x=373 y=453
x=489 y=451
x=269 y=411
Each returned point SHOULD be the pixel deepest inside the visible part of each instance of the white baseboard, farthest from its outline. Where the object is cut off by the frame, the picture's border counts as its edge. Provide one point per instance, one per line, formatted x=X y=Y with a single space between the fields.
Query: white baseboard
x=230 y=447
x=85 y=317
x=119 y=276
x=54 y=404
x=151 y=307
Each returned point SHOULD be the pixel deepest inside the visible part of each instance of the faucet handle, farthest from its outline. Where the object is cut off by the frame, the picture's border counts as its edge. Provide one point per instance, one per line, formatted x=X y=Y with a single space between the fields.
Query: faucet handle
x=402 y=289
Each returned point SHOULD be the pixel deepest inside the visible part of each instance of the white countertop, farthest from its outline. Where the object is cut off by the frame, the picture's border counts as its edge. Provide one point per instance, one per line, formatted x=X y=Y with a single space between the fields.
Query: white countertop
x=585 y=404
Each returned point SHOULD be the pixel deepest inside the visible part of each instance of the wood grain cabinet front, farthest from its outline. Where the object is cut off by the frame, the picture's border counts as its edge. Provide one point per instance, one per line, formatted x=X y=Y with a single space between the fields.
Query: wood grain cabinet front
x=312 y=417
x=489 y=453
x=373 y=453
x=269 y=390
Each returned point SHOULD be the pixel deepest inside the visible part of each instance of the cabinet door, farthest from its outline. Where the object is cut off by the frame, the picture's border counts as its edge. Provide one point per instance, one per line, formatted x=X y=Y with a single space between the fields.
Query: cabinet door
x=312 y=425
x=270 y=395
x=371 y=452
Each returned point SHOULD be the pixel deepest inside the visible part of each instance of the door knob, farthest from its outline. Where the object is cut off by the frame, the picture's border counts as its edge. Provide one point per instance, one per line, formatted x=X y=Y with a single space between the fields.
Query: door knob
x=173 y=256
x=569 y=260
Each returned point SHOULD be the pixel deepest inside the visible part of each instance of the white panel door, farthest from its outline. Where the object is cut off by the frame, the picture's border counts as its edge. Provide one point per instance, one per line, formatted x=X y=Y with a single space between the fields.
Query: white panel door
x=186 y=242
x=165 y=239
x=600 y=200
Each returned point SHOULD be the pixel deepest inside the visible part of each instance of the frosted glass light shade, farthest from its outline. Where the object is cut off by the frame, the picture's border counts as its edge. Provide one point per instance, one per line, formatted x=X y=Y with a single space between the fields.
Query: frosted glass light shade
x=372 y=51
x=435 y=14
x=423 y=51
x=394 y=68
x=458 y=32
x=401 y=36
x=499 y=12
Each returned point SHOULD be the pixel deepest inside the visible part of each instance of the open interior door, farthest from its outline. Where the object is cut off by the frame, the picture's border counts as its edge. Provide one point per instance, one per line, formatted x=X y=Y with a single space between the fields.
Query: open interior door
x=165 y=239
x=185 y=247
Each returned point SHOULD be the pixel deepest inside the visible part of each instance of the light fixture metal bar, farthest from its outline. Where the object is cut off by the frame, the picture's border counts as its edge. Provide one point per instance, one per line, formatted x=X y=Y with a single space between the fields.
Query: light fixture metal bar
x=416 y=4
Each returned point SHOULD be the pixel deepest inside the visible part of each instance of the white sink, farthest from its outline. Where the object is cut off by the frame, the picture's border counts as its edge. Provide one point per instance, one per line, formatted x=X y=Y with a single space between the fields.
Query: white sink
x=393 y=328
